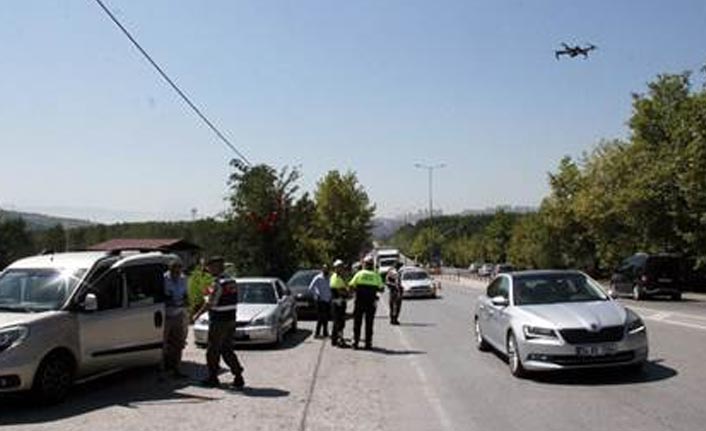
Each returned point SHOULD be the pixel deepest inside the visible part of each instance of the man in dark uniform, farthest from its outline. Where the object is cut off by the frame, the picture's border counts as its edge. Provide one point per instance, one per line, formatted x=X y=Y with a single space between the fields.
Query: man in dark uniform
x=367 y=283
x=394 y=287
x=221 y=305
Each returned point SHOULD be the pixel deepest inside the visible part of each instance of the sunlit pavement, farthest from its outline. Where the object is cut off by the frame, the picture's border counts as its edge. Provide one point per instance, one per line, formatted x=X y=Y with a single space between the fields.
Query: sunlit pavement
x=422 y=375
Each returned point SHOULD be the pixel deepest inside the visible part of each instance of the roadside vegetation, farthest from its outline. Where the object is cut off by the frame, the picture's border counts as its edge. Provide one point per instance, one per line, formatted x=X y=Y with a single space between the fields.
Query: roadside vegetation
x=646 y=193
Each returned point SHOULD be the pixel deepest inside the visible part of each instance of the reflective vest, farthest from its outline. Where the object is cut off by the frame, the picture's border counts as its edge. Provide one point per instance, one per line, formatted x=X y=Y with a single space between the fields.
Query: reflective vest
x=337 y=282
x=225 y=308
x=366 y=278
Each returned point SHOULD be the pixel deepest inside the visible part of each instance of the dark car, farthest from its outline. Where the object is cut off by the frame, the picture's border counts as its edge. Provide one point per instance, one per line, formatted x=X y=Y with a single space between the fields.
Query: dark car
x=643 y=275
x=299 y=285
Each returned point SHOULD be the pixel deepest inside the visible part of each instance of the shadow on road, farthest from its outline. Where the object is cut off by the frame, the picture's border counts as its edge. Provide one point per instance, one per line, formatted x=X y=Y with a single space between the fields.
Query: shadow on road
x=264 y=392
x=390 y=352
x=654 y=371
x=417 y=324
x=291 y=340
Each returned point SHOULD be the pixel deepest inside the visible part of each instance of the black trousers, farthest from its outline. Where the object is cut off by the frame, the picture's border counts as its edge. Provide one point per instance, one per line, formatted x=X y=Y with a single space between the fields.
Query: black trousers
x=364 y=309
x=220 y=344
x=323 y=308
x=395 y=305
x=338 y=309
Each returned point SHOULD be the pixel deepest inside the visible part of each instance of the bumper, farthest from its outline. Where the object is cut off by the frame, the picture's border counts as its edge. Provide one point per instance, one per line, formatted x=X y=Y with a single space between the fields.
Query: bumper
x=543 y=355
x=419 y=292
x=243 y=335
x=17 y=369
x=661 y=290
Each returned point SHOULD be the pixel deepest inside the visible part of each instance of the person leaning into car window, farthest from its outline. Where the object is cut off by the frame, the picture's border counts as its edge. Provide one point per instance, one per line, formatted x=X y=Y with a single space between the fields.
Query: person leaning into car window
x=221 y=305
x=177 y=322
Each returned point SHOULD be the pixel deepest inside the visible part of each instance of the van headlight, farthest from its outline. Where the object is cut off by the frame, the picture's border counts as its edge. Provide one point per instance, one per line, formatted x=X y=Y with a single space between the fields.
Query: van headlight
x=11 y=337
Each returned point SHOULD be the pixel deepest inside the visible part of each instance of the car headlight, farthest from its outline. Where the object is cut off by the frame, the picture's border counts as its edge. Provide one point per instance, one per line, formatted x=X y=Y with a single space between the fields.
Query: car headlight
x=261 y=321
x=532 y=332
x=10 y=337
x=634 y=323
x=202 y=321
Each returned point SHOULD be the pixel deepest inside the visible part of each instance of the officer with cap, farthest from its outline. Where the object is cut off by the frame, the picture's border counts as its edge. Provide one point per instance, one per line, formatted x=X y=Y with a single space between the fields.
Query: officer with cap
x=221 y=305
x=367 y=283
x=339 y=293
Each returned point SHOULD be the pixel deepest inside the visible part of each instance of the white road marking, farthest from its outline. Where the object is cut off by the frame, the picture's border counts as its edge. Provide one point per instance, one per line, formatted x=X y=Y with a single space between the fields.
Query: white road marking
x=429 y=392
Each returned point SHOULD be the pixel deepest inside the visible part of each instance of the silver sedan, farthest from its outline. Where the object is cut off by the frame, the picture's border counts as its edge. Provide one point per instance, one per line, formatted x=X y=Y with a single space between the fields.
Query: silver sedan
x=551 y=320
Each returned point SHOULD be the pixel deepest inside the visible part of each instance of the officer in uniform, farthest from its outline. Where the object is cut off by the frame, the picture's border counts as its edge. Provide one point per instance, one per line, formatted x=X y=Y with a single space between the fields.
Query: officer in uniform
x=221 y=305
x=394 y=287
x=339 y=293
x=367 y=284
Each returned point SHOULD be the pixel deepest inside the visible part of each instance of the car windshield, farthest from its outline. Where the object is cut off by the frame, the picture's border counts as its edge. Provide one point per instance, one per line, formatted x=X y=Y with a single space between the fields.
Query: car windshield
x=37 y=289
x=387 y=262
x=414 y=275
x=556 y=288
x=256 y=293
x=301 y=280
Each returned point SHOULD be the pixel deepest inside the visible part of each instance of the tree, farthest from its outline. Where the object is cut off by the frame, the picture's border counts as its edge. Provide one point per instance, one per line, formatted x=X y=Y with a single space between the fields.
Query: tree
x=261 y=214
x=343 y=215
x=15 y=241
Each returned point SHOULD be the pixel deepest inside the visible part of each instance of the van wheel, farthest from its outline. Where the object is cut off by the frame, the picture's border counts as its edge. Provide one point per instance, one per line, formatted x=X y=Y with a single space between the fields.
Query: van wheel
x=637 y=293
x=54 y=378
x=513 y=357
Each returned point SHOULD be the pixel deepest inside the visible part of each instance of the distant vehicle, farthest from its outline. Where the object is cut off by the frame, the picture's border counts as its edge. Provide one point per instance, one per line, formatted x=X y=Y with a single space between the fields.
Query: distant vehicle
x=266 y=312
x=416 y=283
x=474 y=267
x=386 y=259
x=644 y=275
x=574 y=51
x=486 y=270
x=503 y=268
x=67 y=316
x=298 y=284
x=552 y=320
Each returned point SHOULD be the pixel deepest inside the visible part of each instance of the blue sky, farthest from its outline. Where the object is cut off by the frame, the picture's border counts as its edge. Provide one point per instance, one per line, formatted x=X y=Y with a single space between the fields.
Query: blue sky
x=371 y=86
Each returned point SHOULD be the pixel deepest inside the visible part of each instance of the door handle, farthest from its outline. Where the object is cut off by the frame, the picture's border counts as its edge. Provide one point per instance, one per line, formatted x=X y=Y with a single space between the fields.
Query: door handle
x=158 y=319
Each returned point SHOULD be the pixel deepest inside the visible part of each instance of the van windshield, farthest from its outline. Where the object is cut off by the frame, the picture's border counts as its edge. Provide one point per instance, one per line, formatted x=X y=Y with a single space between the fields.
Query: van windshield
x=28 y=290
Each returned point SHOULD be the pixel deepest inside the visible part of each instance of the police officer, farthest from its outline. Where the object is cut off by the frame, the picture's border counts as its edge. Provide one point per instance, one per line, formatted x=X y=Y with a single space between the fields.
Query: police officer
x=394 y=287
x=221 y=305
x=339 y=293
x=367 y=284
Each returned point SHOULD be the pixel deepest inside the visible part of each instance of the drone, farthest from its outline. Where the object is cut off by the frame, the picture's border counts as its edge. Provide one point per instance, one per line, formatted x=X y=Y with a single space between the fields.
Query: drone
x=573 y=51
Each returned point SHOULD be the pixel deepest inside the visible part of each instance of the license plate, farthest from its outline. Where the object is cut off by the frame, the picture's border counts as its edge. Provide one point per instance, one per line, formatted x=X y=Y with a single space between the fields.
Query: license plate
x=600 y=350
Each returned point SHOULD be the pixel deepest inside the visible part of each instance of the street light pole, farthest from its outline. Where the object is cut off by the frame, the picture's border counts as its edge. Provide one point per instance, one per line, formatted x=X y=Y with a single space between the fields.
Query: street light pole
x=430 y=172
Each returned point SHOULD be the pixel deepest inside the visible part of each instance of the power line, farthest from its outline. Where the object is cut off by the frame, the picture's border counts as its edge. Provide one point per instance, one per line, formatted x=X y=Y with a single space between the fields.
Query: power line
x=184 y=97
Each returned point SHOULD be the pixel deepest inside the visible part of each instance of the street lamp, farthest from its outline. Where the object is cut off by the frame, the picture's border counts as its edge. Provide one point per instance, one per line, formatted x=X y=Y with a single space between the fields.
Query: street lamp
x=430 y=171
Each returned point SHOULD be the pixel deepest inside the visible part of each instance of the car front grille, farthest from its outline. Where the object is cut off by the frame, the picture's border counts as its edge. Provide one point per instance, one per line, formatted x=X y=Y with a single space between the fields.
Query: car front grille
x=581 y=336
x=590 y=360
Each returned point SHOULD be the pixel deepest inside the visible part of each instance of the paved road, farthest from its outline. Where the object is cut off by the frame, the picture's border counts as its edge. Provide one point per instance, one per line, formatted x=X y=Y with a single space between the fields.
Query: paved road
x=423 y=375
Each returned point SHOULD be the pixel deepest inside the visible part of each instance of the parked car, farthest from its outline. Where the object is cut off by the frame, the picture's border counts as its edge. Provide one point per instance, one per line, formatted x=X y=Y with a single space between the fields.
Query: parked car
x=486 y=270
x=474 y=267
x=68 y=316
x=644 y=275
x=502 y=268
x=553 y=320
x=266 y=312
x=299 y=286
x=416 y=283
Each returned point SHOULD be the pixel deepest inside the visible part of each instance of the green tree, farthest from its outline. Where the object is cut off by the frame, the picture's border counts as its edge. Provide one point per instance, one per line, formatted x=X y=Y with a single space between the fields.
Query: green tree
x=15 y=241
x=343 y=215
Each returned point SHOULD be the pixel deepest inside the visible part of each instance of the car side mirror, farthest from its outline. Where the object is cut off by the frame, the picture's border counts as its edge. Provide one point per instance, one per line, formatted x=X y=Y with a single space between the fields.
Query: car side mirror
x=500 y=301
x=90 y=302
x=613 y=294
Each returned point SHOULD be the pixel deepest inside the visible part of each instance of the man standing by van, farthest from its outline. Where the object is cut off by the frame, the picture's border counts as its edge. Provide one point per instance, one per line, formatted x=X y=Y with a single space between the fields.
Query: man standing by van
x=221 y=305
x=177 y=322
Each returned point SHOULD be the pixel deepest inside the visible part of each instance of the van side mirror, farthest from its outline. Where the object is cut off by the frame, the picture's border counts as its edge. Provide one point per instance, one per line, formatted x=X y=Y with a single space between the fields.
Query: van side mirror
x=90 y=302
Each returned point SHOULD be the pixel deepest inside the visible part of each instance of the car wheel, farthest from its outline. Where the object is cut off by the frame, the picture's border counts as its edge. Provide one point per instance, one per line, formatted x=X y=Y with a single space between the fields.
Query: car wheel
x=676 y=296
x=513 y=357
x=637 y=293
x=481 y=344
x=54 y=378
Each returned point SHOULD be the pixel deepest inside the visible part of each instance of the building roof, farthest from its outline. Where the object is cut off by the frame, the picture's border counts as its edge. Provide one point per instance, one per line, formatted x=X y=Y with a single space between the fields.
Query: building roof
x=171 y=244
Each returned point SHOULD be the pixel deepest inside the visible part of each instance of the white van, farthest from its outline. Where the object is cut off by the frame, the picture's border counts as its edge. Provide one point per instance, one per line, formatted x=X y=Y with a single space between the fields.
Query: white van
x=68 y=316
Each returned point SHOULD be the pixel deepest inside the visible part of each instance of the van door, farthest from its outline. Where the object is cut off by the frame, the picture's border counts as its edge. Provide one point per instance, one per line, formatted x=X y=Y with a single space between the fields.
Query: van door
x=127 y=328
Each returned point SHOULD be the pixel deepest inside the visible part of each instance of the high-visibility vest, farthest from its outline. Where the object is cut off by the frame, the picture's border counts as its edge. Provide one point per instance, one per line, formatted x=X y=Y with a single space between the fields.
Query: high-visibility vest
x=337 y=282
x=366 y=277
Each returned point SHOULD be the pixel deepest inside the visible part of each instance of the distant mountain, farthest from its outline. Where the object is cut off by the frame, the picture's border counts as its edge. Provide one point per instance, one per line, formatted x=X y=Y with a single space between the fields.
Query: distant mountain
x=41 y=221
x=384 y=227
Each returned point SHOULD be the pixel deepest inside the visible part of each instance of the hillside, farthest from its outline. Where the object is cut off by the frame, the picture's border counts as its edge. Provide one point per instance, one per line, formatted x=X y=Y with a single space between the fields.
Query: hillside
x=42 y=222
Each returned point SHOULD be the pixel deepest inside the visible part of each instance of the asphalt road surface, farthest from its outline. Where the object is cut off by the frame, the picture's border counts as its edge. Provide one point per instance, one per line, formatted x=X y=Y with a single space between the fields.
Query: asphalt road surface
x=422 y=375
